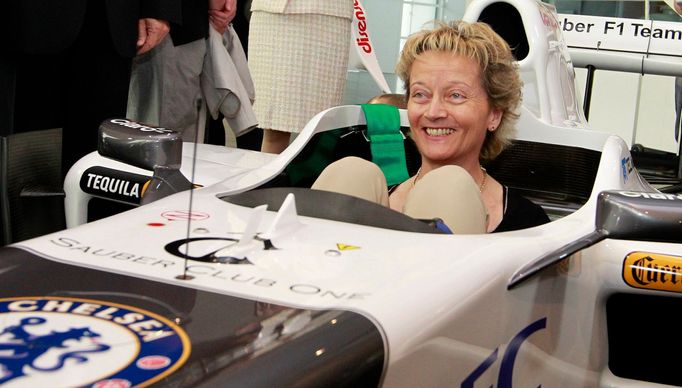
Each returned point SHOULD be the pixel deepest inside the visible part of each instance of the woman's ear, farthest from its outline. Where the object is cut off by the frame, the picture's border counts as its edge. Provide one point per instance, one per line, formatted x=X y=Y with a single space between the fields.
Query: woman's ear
x=494 y=119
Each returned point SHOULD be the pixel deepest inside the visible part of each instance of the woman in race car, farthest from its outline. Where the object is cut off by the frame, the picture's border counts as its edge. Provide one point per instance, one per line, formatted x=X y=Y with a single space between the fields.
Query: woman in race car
x=463 y=92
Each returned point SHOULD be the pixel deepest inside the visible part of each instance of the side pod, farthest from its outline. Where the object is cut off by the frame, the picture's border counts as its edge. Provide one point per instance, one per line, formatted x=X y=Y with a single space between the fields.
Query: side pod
x=621 y=215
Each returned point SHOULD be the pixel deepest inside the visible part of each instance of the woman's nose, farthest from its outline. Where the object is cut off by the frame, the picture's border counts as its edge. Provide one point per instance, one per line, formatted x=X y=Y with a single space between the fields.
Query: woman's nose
x=436 y=109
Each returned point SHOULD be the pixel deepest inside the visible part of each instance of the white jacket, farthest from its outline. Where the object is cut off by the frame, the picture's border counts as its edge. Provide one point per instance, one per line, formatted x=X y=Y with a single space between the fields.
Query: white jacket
x=226 y=82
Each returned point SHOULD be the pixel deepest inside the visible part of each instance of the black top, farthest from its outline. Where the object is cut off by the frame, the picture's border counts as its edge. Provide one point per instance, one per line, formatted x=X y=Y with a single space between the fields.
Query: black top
x=194 y=24
x=519 y=212
x=48 y=27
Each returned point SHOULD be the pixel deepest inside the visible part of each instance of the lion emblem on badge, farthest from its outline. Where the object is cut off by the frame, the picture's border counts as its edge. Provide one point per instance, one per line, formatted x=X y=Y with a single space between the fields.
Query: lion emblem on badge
x=19 y=349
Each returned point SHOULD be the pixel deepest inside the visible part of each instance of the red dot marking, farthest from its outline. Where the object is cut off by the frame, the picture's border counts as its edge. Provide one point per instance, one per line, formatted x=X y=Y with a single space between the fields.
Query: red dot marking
x=153 y=362
x=112 y=383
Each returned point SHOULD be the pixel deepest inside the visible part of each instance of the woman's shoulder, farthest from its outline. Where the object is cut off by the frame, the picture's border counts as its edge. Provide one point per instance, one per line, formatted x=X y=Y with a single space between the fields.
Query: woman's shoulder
x=520 y=212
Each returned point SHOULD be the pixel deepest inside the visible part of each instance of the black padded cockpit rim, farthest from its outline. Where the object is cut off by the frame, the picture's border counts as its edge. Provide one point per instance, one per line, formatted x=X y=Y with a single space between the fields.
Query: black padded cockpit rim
x=332 y=206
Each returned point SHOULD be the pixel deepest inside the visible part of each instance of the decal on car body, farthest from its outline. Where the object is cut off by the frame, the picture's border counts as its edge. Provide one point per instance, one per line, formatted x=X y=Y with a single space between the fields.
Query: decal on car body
x=43 y=339
x=114 y=184
x=504 y=378
x=227 y=348
x=626 y=166
x=653 y=271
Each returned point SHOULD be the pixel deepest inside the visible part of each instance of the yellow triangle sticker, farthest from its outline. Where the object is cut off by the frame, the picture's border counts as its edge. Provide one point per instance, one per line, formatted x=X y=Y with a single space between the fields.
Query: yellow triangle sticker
x=346 y=247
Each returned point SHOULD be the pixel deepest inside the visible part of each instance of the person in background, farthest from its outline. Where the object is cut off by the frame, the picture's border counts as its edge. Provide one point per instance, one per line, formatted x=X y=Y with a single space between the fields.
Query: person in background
x=463 y=92
x=67 y=63
x=395 y=99
x=298 y=57
x=165 y=82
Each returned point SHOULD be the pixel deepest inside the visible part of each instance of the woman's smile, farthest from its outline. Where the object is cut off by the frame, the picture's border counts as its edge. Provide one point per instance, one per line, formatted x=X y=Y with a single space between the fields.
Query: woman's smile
x=439 y=131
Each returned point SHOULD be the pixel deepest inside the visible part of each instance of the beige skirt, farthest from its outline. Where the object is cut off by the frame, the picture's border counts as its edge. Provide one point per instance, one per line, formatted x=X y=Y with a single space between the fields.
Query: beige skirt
x=298 y=63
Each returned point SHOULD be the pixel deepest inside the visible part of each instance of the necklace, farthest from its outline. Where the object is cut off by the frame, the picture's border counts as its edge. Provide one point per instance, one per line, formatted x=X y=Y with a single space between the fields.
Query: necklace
x=416 y=176
x=481 y=187
x=483 y=181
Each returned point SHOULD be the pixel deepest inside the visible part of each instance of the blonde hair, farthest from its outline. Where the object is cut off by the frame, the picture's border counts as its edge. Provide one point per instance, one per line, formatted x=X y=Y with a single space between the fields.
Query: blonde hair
x=499 y=70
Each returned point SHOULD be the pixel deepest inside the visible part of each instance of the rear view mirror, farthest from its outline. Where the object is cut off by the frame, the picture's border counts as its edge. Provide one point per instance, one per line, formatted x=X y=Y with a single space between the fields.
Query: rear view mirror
x=147 y=147
x=140 y=145
x=629 y=215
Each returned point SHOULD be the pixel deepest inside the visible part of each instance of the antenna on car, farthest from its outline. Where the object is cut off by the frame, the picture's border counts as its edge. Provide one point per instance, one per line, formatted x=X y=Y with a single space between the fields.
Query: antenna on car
x=184 y=275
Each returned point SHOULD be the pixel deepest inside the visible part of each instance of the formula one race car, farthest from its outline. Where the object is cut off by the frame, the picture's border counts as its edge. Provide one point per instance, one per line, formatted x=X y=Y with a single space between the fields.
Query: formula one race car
x=252 y=279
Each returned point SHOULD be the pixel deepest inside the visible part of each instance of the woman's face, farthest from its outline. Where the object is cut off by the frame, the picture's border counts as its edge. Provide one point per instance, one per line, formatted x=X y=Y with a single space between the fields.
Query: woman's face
x=448 y=109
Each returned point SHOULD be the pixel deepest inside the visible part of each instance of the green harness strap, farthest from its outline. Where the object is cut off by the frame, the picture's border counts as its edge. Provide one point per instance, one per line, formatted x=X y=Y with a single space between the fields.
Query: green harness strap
x=308 y=166
x=386 y=141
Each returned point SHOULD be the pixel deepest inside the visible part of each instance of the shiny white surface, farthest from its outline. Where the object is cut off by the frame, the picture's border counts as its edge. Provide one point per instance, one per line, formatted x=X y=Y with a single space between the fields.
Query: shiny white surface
x=441 y=300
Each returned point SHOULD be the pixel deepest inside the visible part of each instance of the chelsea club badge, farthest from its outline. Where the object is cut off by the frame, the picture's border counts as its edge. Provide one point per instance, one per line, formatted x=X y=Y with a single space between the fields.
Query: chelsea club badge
x=83 y=342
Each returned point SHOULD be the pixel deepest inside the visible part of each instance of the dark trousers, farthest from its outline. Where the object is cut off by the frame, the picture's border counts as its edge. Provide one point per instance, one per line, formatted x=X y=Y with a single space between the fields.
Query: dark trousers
x=75 y=89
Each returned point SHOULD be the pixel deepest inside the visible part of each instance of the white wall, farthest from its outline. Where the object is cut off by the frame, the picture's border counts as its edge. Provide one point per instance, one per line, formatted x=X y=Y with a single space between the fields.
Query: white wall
x=384 y=18
x=383 y=21
x=656 y=120
x=640 y=109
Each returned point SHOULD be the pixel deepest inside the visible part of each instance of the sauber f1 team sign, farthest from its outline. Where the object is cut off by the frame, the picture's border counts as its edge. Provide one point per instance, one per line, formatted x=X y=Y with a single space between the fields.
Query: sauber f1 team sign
x=620 y=34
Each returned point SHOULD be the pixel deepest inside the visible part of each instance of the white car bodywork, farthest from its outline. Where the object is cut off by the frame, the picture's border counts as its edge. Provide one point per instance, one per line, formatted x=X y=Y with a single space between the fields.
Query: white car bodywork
x=441 y=302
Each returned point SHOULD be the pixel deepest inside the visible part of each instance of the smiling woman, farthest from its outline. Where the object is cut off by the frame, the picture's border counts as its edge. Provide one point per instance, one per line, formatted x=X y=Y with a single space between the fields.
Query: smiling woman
x=463 y=91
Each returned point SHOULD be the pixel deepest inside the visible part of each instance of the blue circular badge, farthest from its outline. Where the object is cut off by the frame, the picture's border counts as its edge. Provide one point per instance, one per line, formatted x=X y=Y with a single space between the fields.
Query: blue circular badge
x=84 y=342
